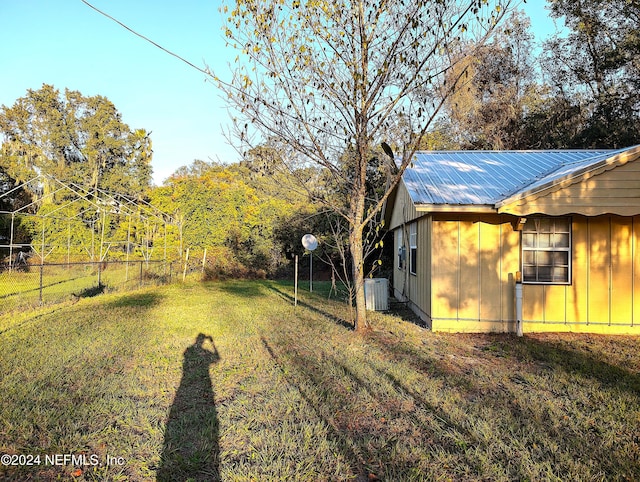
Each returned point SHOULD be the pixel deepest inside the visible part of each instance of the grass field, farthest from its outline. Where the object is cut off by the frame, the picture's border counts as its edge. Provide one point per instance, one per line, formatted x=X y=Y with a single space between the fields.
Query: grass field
x=228 y=381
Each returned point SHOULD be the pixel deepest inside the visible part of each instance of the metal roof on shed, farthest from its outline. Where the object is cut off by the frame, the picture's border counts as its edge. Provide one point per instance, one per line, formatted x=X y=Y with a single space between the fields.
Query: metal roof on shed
x=488 y=177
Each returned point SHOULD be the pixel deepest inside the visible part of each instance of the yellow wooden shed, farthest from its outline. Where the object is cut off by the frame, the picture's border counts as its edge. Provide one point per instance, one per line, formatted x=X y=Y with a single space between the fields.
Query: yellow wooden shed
x=563 y=226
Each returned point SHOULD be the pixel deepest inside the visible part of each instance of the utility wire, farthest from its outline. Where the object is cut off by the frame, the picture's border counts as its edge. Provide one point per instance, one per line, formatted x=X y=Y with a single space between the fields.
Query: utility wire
x=208 y=74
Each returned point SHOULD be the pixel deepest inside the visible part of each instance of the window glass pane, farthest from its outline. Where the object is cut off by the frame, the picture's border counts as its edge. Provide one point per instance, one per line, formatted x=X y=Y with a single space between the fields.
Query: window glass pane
x=544 y=241
x=529 y=226
x=560 y=258
x=545 y=225
x=561 y=240
x=529 y=240
x=546 y=255
x=529 y=257
x=544 y=258
x=400 y=249
x=544 y=273
x=560 y=275
x=529 y=273
x=562 y=225
x=413 y=251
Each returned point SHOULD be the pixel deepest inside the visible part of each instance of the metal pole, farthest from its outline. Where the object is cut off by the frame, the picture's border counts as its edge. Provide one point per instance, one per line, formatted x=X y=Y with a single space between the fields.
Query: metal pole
x=126 y=269
x=41 y=268
x=295 y=284
x=93 y=240
x=42 y=253
x=186 y=261
x=104 y=215
x=204 y=259
x=311 y=271
x=180 y=233
x=68 y=243
x=165 y=248
x=11 y=243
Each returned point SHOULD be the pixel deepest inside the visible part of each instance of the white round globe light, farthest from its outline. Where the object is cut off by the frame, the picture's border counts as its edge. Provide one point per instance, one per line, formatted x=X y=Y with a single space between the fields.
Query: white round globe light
x=309 y=242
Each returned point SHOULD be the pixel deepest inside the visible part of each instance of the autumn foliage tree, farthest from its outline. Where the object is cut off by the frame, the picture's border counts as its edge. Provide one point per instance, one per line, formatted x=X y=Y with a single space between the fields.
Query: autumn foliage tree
x=322 y=78
x=222 y=209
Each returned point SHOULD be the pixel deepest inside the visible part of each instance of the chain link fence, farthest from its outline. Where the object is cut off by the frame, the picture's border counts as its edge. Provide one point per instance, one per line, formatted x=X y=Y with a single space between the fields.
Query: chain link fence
x=26 y=286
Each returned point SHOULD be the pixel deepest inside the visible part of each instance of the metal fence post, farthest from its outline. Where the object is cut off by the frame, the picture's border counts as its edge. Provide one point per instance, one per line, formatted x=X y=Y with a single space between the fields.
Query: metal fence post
x=186 y=263
x=41 y=274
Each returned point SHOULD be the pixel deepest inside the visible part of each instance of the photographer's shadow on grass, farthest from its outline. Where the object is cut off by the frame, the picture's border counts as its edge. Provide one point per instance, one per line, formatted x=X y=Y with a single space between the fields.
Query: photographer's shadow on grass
x=191 y=449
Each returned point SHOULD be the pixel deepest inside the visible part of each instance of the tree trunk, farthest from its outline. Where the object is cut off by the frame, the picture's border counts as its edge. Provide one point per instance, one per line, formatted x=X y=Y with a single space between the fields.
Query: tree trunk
x=356 y=246
x=355 y=243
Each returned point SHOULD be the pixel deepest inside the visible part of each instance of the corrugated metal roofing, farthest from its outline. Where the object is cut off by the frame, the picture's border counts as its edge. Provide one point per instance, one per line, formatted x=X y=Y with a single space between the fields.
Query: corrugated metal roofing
x=488 y=177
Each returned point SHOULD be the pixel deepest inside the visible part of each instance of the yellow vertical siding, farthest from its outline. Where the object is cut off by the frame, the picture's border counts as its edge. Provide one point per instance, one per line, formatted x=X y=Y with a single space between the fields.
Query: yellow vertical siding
x=415 y=287
x=510 y=264
x=474 y=262
x=604 y=295
x=635 y=244
x=490 y=271
x=599 y=280
x=467 y=264
x=445 y=269
x=621 y=271
x=577 y=295
x=555 y=297
x=469 y=271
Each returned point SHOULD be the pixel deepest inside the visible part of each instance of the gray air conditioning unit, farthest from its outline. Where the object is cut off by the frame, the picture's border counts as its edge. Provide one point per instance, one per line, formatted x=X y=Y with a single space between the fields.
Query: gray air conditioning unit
x=376 y=294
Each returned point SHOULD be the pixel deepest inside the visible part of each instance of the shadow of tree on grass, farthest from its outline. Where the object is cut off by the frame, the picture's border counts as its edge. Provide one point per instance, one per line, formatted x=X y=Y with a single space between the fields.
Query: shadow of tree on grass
x=335 y=319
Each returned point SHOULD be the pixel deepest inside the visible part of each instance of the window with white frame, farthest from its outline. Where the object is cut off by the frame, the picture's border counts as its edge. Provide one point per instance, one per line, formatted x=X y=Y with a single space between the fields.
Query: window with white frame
x=413 y=248
x=546 y=251
x=401 y=250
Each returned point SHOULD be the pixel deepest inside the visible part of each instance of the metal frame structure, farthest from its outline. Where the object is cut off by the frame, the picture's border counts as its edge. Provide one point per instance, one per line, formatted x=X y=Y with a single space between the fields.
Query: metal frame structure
x=96 y=206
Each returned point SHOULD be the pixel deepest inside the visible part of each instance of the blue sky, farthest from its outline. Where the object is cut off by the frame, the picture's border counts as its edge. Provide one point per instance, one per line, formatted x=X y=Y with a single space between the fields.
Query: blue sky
x=67 y=44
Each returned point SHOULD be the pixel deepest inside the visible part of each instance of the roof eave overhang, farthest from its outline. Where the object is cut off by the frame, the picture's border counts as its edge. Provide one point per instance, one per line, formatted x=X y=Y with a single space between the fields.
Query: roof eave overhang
x=456 y=208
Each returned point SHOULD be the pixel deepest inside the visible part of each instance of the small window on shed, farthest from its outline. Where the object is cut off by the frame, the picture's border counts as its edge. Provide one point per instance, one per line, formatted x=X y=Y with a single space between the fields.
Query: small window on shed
x=413 y=248
x=546 y=251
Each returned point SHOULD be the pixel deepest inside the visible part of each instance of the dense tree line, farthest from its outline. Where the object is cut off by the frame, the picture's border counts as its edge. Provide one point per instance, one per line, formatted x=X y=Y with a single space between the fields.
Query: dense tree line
x=580 y=91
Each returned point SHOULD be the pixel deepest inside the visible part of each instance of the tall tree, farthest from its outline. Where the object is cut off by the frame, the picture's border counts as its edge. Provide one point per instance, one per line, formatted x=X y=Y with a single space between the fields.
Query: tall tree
x=498 y=89
x=73 y=138
x=327 y=77
x=595 y=70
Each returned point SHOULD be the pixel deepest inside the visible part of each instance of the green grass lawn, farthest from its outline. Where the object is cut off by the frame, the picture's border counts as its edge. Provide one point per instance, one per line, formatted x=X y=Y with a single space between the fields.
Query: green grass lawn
x=227 y=380
x=21 y=290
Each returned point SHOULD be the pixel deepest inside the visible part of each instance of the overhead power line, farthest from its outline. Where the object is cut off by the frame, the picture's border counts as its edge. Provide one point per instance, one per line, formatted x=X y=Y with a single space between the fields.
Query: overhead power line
x=199 y=69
